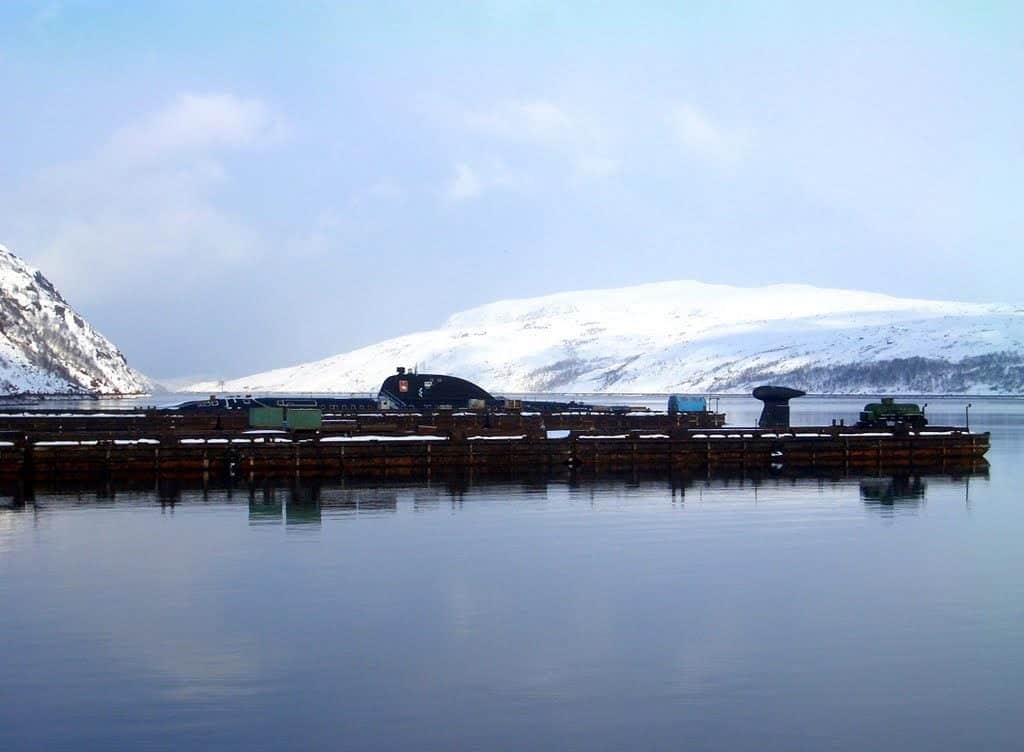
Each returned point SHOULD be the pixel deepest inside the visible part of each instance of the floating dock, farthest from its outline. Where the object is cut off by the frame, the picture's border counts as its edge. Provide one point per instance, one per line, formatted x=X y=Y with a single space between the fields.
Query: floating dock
x=90 y=444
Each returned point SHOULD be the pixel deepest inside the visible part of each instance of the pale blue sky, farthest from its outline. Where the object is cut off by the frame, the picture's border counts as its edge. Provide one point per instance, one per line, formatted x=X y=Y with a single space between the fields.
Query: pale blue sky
x=229 y=187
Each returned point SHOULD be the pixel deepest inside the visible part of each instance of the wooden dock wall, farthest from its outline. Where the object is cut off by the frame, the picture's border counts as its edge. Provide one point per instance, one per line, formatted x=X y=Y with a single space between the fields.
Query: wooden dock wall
x=323 y=457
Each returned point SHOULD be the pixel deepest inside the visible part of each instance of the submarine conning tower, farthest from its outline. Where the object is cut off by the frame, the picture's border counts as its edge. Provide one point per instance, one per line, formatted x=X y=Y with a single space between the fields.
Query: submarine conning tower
x=415 y=391
x=775 y=413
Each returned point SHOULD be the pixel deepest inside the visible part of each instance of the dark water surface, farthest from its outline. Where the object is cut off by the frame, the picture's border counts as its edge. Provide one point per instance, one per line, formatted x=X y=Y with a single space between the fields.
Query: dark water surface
x=860 y=613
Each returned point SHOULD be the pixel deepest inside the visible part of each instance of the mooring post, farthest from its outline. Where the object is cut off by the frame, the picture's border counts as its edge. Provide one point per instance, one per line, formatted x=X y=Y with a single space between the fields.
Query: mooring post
x=26 y=454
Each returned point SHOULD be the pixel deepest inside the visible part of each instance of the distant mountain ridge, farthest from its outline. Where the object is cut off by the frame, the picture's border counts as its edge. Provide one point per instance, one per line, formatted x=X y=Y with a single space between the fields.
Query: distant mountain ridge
x=46 y=347
x=687 y=336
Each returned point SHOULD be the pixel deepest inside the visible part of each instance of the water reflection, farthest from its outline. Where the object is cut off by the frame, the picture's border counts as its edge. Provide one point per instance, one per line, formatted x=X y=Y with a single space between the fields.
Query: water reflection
x=304 y=505
x=355 y=501
x=266 y=507
x=476 y=610
x=899 y=489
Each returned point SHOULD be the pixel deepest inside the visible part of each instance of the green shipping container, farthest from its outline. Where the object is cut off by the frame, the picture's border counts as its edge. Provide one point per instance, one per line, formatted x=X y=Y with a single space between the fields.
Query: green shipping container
x=266 y=417
x=304 y=419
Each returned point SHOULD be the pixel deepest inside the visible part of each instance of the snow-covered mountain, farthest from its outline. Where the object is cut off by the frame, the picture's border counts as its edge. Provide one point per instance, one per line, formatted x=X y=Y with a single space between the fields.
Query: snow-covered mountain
x=46 y=347
x=687 y=336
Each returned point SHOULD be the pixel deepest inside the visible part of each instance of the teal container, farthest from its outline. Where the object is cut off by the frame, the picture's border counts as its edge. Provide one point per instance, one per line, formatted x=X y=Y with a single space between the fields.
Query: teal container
x=684 y=403
x=303 y=419
x=266 y=417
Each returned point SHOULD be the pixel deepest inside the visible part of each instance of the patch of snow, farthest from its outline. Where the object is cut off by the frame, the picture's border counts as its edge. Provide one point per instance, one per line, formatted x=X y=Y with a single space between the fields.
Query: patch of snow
x=358 y=439
x=72 y=415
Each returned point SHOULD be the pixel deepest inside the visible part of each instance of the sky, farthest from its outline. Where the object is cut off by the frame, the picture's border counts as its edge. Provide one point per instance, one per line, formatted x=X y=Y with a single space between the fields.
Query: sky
x=223 y=188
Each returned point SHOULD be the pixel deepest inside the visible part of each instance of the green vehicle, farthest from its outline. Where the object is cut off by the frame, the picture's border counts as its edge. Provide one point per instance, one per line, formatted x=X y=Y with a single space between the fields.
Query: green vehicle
x=891 y=414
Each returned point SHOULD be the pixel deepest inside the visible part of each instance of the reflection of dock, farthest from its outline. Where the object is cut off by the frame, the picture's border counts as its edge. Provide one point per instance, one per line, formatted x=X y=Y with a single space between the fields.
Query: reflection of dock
x=291 y=505
x=266 y=506
x=285 y=502
x=898 y=489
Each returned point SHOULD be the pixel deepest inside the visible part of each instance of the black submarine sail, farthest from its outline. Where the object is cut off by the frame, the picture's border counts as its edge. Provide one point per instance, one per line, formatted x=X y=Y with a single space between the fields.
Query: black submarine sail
x=430 y=391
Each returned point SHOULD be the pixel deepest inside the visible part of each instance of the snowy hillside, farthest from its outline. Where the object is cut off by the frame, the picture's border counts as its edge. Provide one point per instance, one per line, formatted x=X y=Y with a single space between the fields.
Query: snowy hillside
x=46 y=347
x=687 y=336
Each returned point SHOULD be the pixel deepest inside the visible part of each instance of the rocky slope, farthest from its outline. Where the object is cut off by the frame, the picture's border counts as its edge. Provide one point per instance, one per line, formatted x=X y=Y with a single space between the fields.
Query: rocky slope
x=687 y=336
x=48 y=348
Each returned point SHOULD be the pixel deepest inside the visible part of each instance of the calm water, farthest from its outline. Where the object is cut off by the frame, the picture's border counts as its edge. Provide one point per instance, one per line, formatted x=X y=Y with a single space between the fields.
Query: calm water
x=853 y=614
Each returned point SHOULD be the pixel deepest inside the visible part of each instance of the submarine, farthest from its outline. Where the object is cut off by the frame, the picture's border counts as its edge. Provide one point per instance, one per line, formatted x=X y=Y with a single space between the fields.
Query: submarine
x=403 y=390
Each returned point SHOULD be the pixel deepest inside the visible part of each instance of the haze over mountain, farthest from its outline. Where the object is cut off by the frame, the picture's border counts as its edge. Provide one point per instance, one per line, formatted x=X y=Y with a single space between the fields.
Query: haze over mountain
x=46 y=347
x=687 y=336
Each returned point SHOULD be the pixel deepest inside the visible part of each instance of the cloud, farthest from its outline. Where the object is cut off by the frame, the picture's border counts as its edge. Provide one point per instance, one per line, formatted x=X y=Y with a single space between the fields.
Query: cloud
x=465 y=184
x=553 y=128
x=144 y=204
x=470 y=181
x=532 y=121
x=194 y=123
x=700 y=137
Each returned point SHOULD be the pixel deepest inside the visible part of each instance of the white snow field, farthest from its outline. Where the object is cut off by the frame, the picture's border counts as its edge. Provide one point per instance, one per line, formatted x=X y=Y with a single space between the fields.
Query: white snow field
x=687 y=336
